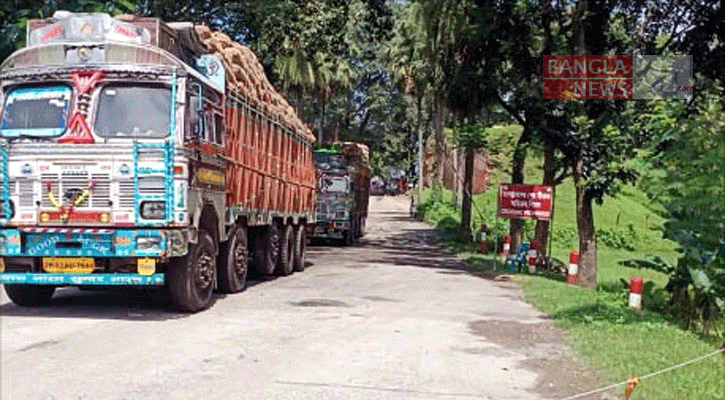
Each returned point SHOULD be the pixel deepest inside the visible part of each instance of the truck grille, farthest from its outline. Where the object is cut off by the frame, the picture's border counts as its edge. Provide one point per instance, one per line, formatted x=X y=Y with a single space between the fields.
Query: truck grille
x=65 y=184
x=25 y=191
x=150 y=185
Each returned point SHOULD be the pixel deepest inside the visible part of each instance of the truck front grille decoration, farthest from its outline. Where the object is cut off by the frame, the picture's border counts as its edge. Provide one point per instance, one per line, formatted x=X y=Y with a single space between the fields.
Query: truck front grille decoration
x=75 y=197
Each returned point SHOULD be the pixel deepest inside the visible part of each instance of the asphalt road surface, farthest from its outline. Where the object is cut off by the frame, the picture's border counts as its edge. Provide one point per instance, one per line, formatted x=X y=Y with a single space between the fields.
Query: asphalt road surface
x=392 y=317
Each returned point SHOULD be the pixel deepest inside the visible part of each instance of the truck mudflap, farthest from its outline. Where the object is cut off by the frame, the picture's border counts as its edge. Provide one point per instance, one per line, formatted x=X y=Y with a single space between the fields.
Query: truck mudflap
x=67 y=279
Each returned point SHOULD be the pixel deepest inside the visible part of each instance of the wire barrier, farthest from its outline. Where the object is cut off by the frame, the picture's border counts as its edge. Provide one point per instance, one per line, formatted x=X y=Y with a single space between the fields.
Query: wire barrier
x=632 y=381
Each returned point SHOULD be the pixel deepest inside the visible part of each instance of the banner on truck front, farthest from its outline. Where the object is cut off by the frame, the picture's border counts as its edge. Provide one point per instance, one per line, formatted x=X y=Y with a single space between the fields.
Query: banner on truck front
x=525 y=201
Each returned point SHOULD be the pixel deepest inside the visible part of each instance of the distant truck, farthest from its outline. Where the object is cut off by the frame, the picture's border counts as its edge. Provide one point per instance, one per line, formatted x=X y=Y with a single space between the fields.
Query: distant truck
x=139 y=153
x=343 y=192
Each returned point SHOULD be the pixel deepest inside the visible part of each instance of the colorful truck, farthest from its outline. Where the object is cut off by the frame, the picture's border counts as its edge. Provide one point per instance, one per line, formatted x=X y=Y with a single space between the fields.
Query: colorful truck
x=135 y=152
x=343 y=192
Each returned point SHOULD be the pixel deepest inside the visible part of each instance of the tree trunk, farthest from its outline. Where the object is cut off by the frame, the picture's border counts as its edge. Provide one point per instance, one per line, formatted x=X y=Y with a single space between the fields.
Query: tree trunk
x=454 y=165
x=440 y=141
x=587 y=234
x=421 y=149
x=542 y=226
x=322 y=137
x=516 y=226
x=467 y=204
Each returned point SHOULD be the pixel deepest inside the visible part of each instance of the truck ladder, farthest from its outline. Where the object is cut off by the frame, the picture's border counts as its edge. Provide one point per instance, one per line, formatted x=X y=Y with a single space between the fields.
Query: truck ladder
x=167 y=172
x=5 y=183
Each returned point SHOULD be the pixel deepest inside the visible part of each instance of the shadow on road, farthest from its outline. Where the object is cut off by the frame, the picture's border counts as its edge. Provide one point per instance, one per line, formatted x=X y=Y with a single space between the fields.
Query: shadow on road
x=419 y=247
x=119 y=304
x=123 y=304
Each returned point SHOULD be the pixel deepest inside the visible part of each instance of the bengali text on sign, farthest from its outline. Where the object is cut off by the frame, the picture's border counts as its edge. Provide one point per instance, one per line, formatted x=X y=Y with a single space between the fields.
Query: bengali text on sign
x=525 y=201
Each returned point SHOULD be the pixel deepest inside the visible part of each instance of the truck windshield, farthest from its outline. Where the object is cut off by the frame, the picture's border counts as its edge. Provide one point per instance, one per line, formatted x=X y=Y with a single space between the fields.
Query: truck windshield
x=334 y=184
x=37 y=112
x=133 y=111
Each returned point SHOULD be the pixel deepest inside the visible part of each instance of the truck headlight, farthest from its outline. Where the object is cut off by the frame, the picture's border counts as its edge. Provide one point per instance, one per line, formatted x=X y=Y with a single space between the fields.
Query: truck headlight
x=153 y=209
x=148 y=242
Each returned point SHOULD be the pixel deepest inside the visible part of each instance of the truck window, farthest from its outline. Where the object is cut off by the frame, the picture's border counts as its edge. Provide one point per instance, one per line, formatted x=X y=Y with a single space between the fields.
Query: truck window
x=133 y=112
x=334 y=184
x=38 y=111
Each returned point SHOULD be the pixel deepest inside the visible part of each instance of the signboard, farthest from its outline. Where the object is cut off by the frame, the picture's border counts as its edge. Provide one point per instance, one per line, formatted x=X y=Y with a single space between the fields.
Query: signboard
x=525 y=201
x=212 y=67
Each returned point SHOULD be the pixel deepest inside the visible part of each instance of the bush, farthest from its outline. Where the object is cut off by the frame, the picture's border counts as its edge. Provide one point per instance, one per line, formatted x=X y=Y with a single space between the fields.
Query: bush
x=614 y=238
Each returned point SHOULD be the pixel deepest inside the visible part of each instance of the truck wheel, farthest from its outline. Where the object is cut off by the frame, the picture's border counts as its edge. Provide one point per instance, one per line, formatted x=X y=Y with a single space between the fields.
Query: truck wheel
x=191 y=278
x=30 y=295
x=358 y=227
x=233 y=266
x=348 y=237
x=266 y=254
x=300 y=248
x=286 y=252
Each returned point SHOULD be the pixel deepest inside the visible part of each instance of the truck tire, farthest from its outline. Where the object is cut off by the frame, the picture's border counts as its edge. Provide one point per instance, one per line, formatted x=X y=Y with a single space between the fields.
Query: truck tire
x=348 y=237
x=233 y=264
x=358 y=227
x=191 y=278
x=300 y=248
x=266 y=252
x=30 y=295
x=286 y=252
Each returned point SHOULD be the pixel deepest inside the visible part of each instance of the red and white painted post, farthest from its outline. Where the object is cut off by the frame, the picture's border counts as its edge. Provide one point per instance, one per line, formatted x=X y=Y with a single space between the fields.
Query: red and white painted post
x=572 y=272
x=506 y=246
x=635 y=293
x=484 y=231
x=532 y=256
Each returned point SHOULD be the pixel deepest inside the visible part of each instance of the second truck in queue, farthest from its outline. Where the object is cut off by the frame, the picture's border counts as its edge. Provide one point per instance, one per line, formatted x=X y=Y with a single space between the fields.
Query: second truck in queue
x=343 y=192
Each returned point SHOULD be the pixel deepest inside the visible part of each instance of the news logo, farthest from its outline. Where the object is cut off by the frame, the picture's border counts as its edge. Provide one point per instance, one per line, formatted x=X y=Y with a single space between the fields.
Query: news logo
x=619 y=77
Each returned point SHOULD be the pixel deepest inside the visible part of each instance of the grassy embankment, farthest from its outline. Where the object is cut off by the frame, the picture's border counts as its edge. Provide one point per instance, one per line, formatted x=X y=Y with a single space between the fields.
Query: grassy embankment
x=600 y=327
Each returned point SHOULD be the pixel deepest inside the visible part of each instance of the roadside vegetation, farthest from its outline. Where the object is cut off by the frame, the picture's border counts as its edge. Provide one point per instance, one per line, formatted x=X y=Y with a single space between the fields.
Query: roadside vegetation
x=599 y=324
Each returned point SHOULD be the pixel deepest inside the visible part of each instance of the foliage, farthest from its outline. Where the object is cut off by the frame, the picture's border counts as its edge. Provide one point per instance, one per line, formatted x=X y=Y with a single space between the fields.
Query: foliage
x=696 y=293
x=471 y=136
x=688 y=178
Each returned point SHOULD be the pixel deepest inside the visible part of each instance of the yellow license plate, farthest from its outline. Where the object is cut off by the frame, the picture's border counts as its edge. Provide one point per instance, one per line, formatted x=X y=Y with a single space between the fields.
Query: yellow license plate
x=78 y=265
x=2 y=264
x=146 y=266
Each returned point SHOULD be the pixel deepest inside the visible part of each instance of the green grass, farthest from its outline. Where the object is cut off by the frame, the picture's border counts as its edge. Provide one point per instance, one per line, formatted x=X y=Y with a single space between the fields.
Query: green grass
x=600 y=327
x=622 y=343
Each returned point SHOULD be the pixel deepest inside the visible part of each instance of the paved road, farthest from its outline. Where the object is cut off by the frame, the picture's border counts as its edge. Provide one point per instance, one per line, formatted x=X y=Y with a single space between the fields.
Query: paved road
x=391 y=318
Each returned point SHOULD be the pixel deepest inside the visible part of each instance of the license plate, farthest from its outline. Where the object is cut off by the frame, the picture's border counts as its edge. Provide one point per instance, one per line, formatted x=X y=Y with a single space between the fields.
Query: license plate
x=319 y=230
x=2 y=264
x=146 y=266
x=77 y=265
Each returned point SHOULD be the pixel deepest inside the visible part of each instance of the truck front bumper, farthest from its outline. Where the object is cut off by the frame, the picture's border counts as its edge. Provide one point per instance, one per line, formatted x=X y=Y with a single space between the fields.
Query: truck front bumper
x=40 y=278
x=91 y=242
x=329 y=229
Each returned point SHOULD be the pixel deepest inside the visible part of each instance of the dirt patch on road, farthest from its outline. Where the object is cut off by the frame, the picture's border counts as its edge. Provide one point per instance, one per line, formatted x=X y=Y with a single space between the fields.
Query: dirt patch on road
x=381 y=298
x=321 y=303
x=560 y=373
x=514 y=334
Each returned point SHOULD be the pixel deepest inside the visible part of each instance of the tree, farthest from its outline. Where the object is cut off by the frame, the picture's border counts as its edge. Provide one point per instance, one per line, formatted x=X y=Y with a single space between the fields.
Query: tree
x=685 y=172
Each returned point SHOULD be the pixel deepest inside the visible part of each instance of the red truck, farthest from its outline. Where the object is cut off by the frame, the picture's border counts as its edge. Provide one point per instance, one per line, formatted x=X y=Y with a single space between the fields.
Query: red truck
x=135 y=152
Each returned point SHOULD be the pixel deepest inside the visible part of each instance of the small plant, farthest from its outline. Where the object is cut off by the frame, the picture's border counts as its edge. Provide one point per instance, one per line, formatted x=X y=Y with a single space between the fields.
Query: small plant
x=696 y=292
